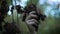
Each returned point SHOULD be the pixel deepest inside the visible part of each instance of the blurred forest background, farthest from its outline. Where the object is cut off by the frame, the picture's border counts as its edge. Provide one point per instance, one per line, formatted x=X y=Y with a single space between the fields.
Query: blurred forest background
x=51 y=8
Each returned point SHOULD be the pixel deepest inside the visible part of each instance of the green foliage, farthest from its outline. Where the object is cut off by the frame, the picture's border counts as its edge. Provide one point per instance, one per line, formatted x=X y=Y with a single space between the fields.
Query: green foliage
x=9 y=2
x=51 y=26
x=32 y=1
